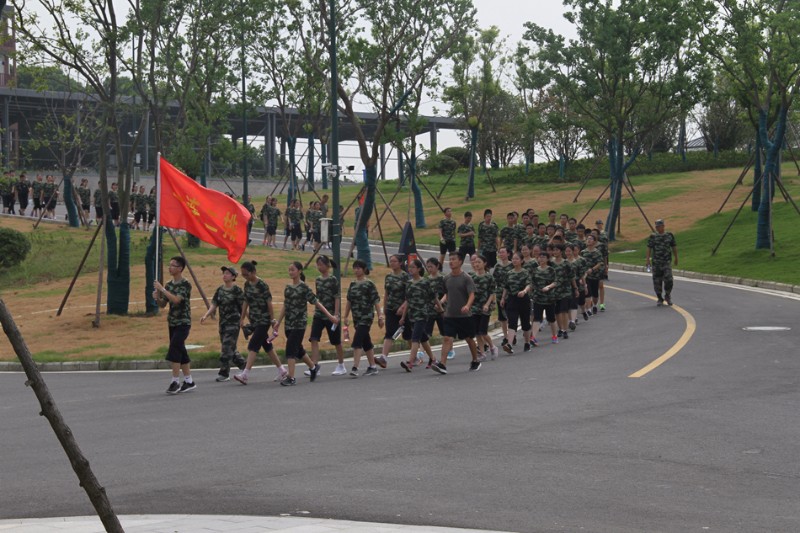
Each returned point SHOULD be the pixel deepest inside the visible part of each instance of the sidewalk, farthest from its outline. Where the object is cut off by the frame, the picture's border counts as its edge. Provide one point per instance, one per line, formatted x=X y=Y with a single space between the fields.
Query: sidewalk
x=199 y=523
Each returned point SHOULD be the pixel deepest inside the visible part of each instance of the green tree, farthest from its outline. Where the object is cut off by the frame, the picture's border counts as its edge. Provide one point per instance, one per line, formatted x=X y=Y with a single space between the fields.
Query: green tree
x=386 y=41
x=755 y=43
x=620 y=72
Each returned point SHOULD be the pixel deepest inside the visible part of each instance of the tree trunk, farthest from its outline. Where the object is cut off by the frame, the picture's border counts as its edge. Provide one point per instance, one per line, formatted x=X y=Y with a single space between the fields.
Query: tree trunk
x=473 y=144
x=118 y=277
x=311 y=161
x=95 y=491
x=773 y=157
x=69 y=202
x=758 y=171
x=291 y=142
x=150 y=263
x=362 y=238
x=419 y=211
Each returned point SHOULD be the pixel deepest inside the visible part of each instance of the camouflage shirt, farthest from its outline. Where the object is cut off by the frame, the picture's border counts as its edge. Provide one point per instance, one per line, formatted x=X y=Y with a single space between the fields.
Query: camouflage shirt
x=541 y=278
x=570 y=236
x=581 y=267
x=487 y=236
x=516 y=281
x=469 y=240
x=660 y=245
x=363 y=295
x=37 y=188
x=273 y=215
x=85 y=195
x=437 y=285
x=593 y=258
x=500 y=273
x=140 y=203
x=229 y=304
x=520 y=233
x=327 y=293
x=508 y=235
x=151 y=203
x=258 y=297
x=23 y=187
x=602 y=243
x=98 y=200
x=565 y=273
x=180 y=314
x=448 y=227
x=294 y=215
x=313 y=219
x=531 y=266
x=394 y=287
x=484 y=289
x=294 y=302
x=49 y=191
x=113 y=197
x=421 y=300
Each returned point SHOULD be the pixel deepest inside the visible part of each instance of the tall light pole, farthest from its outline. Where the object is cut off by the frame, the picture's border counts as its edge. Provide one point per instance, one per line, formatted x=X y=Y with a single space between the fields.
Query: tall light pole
x=245 y=192
x=334 y=140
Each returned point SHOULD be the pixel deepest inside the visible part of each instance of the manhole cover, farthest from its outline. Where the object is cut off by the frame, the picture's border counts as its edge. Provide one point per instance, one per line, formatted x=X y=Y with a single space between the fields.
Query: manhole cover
x=766 y=328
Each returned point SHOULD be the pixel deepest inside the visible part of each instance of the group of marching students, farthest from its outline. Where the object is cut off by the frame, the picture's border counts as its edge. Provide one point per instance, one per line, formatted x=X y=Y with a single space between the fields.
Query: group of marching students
x=533 y=272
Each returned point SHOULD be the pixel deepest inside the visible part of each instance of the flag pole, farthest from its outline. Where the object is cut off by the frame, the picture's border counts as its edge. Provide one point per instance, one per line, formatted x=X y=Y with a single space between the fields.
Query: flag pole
x=156 y=270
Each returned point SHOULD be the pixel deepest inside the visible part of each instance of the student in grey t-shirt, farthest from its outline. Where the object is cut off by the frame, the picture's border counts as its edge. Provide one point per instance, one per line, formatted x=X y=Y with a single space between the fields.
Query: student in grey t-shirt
x=458 y=321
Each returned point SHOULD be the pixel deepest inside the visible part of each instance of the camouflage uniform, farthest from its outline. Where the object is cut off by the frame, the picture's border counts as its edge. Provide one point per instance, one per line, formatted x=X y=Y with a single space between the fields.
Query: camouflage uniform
x=49 y=194
x=273 y=215
x=327 y=293
x=500 y=273
x=258 y=297
x=484 y=288
x=421 y=297
x=313 y=219
x=295 y=298
x=602 y=245
x=540 y=279
x=85 y=195
x=395 y=287
x=519 y=234
x=23 y=188
x=661 y=245
x=295 y=217
x=516 y=282
x=363 y=295
x=448 y=227
x=36 y=185
x=229 y=305
x=487 y=237
x=565 y=273
x=467 y=242
x=180 y=314
x=507 y=235
x=592 y=258
x=570 y=236
x=140 y=203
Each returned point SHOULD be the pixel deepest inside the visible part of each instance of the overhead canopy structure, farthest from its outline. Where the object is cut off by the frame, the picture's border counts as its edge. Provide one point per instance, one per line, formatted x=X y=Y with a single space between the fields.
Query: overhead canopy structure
x=23 y=109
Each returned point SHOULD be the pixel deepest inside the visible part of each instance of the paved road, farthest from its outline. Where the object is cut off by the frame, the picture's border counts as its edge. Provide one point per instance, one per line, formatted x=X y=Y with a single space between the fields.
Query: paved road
x=559 y=439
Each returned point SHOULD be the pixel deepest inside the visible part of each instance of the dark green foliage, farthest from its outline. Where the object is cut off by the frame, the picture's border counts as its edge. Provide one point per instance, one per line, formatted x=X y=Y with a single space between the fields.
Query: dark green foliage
x=14 y=247
x=664 y=163
x=458 y=153
x=438 y=164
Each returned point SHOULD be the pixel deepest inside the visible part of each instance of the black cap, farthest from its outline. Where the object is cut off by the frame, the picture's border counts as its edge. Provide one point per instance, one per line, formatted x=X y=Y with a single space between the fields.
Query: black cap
x=230 y=269
x=599 y=221
x=660 y=222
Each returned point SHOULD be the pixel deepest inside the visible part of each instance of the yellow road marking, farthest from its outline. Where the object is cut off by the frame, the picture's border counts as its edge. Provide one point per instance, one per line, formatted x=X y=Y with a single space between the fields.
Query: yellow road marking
x=691 y=326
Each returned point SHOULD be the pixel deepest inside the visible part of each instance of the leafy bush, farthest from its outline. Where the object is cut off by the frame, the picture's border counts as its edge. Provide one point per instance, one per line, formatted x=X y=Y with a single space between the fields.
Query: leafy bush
x=438 y=164
x=459 y=153
x=14 y=247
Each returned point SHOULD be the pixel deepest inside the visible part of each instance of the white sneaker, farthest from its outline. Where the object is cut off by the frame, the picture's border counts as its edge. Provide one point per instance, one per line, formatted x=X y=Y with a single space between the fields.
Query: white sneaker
x=339 y=371
x=494 y=352
x=282 y=373
x=307 y=373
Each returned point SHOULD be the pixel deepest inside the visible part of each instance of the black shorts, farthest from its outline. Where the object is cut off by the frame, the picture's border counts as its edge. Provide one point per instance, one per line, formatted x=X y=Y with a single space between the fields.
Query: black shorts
x=151 y=217
x=315 y=236
x=114 y=211
x=294 y=344
x=573 y=303
x=481 y=324
x=518 y=309
x=271 y=230
x=296 y=233
x=320 y=324
x=23 y=201
x=594 y=287
x=37 y=203
x=8 y=200
x=361 y=338
x=459 y=327
x=50 y=203
x=539 y=311
x=435 y=319
x=581 y=299
x=562 y=305
x=501 y=311
x=419 y=331
x=139 y=216
x=258 y=340
x=491 y=259
x=98 y=212
x=466 y=249
x=447 y=246
x=85 y=207
x=392 y=323
x=177 y=345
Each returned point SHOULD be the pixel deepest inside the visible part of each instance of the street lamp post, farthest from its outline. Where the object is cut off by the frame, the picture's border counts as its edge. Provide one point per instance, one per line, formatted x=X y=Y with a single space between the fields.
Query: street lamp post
x=245 y=191
x=334 y=140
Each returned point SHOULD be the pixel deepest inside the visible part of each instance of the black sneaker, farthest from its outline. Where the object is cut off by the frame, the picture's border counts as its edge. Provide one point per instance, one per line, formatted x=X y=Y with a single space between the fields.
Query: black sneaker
x=669 y=299
x=572 y=325
x=474 y=366
x=174 y=388
x=505 y=341
x=585 y=316
x=188 y=387
x=508 y=349
x=354 y=372
x=439 y=367
x=371 y=371
x=314 y=372
x=406 y=366
x=566 y=335
x=660 y=302
x=288 y=382
x=223 y=377
x=560 y=333
x=527 y=347
x=594 y=309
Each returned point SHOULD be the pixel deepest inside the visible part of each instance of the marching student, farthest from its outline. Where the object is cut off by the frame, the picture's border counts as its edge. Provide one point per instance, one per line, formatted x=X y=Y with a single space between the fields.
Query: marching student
x=421 y=301
x=329 y=295
x=295 y=310
x=258 y=309
x=544 y=282
x=363 y=299
x=394 y=304
x=482 y=307
x=517 y=303
x=228 y=299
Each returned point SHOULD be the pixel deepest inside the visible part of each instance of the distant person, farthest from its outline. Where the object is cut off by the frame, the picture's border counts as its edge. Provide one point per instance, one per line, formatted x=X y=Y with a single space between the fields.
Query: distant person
x=364 y=301
x=447 y=234
x=662 y=250
x=85 y=196
x=36 y=187
x=488 y=233
x=466 y=232
x=113 y=199
x=23 y=193
x=178 y=295
x=50 y=197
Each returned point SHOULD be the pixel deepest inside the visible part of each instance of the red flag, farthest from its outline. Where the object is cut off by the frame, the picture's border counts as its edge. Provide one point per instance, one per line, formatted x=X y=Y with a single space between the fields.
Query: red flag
x=210 y=215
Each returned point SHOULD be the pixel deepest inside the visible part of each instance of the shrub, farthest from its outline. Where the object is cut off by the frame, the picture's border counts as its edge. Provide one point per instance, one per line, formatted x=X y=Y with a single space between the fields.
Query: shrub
x=14 y=247
x=459 y=153
x=438 y=164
